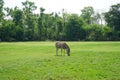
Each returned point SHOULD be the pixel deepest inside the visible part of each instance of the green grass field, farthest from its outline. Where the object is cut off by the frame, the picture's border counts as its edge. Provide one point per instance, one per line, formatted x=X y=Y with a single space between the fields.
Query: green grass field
x=37 y=61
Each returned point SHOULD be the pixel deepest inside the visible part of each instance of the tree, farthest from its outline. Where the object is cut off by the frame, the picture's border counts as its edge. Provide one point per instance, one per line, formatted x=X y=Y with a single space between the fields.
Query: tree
x=29 y=7
x=112 y=17
x=17 y=14
x=96 y=18
x=96 y=32
x=23 y=24
x=74 y=28
x=87 y=12
x=41 y=24
x=29 y=19
x=8 y=31
x=1 y=11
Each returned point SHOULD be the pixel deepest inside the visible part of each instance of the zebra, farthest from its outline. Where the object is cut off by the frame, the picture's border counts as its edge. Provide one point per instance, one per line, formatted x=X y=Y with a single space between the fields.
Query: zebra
x=62 y=45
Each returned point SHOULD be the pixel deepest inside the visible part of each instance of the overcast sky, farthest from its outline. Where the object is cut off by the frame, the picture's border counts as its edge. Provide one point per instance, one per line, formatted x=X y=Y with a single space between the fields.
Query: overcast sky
x=72 y=6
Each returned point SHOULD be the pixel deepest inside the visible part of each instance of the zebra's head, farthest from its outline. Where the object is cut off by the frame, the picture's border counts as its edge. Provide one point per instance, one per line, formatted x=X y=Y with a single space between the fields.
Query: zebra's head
x=68 y=51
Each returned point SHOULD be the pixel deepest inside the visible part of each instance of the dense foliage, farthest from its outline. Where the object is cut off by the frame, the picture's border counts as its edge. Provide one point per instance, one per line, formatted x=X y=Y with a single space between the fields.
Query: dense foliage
x=24 y=25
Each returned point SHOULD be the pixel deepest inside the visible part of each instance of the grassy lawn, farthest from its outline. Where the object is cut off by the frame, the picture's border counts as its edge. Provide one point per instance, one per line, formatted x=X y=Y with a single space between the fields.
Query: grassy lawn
x=37 y=61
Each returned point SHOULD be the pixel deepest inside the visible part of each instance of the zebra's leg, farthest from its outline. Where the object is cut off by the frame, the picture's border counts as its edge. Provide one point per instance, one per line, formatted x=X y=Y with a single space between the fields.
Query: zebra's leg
x=64 y=52
x=61 y=51
x=56 y=51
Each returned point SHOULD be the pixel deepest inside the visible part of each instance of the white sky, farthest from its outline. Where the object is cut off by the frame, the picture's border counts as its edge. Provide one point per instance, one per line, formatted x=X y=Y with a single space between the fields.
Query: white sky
x=72 y=6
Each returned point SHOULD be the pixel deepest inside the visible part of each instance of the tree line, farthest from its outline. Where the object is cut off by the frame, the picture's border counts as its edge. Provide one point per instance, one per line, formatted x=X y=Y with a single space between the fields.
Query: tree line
x=24 y=25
